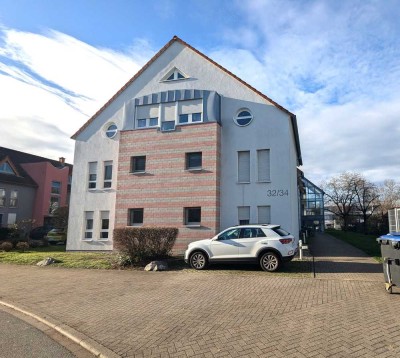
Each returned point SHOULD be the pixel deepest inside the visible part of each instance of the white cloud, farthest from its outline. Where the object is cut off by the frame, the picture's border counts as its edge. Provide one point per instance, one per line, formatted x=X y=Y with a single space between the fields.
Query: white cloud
x=51 y=81
x=334 y=64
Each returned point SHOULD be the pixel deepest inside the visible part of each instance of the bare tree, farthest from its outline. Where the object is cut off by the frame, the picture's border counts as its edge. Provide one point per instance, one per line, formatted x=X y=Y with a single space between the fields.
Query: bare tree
x=340 y=197
x=60 y=219
x=389 y=195
x=366 y=198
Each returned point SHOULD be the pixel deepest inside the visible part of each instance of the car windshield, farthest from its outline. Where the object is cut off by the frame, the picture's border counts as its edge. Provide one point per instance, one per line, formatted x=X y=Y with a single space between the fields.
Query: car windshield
x=280 y=231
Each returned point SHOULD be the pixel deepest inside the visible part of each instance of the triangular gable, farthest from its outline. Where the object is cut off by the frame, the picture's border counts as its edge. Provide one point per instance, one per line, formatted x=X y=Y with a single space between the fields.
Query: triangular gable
x=174 y=74
x=158 y=54
x=7 y=167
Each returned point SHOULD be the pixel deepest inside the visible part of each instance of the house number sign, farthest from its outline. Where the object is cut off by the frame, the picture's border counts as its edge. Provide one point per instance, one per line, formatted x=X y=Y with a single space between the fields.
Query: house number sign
x=280 y=192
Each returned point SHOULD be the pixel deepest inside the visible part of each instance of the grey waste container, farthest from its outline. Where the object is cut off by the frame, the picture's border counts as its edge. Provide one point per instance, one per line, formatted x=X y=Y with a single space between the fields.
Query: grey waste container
x=390 y=249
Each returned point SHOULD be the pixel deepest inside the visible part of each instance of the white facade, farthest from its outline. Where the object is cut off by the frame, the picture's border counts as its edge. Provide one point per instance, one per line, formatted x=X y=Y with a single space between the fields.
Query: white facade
x=273 y=131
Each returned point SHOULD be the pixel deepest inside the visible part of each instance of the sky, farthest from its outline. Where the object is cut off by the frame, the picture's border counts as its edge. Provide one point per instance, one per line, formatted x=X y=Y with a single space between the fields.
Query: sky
x=335 y=64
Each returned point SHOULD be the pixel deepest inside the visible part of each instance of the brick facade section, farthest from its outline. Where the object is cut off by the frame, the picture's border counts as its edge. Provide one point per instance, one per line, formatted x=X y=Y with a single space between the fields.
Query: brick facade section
x=167 y=188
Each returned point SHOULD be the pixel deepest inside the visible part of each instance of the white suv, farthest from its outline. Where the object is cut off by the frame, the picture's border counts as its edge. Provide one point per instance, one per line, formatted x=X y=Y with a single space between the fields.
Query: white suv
x=269 y=245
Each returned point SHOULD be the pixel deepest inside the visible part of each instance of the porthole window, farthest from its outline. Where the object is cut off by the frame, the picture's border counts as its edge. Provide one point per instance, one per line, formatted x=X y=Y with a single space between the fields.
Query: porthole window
x=243 y=118
x=111 y=131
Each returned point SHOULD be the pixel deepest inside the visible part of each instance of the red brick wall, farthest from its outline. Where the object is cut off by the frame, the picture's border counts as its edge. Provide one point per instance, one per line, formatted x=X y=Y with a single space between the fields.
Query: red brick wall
x=167 y=188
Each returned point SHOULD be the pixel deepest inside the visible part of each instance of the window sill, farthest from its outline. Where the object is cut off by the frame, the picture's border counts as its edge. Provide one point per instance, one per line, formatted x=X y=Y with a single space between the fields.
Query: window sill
x=194 y=169
x=242 y=182
x=138 y=173
x=103 y=240
x=192 y=225
x=87 y=240
x=263 y=181
x=188 y=123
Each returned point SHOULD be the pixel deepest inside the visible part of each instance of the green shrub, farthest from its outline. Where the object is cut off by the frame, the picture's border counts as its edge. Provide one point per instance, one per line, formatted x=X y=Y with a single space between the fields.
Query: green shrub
x=135 y=245
x=6 y=246
x=22 y=246
x=7 y=233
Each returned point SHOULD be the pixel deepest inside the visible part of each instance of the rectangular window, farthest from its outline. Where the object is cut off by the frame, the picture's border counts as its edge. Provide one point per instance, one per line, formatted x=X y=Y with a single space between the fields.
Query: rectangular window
x=263 y=165
x=244 y=166
x=147 y=111
x=141 y=123
x=13 y=199
x=190 y=111
x=264 y=214
x=92 y=175
x=54 y=204
x=105 y=224
x=135 y=217
x=193 y=161
x=196 y=117
x=2 y=197
x=244 y=215
x=193 y=216
x=138 y=164
x=168 y=126
x=88 y=225
x=183 y=118
x=153 y=122
x=108 y=174
x=11 y=218
x=56 y=187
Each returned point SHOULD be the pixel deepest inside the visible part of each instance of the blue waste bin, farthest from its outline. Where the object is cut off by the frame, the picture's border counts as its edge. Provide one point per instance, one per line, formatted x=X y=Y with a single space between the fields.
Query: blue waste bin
x=390 y=249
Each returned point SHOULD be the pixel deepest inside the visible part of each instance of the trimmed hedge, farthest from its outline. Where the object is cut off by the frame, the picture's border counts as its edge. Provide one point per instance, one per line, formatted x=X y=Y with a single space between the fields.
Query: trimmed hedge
x=138 y=244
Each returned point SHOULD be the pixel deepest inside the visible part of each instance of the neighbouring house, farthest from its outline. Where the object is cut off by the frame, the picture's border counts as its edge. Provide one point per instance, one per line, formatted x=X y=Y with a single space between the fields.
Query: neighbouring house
x=187 y=144
x=31 y=187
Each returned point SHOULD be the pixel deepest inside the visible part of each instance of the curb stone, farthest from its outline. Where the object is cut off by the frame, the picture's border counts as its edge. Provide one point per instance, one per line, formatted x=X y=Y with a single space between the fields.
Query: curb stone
x=89 y=344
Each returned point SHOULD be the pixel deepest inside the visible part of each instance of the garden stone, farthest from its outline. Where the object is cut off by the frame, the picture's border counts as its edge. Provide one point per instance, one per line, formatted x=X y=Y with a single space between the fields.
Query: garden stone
x=156 y=266
x=47 y=261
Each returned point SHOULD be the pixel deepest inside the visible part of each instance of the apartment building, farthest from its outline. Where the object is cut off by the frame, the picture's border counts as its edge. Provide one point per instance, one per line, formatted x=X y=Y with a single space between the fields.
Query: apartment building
x=187 y=144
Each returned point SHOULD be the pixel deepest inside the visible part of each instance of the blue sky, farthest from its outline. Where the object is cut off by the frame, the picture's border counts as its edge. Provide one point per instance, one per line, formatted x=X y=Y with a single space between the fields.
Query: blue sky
x=335 y=64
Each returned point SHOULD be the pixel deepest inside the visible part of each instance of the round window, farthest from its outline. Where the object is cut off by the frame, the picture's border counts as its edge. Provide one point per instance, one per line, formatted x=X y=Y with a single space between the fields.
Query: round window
x=243 y=118
x=111 y=131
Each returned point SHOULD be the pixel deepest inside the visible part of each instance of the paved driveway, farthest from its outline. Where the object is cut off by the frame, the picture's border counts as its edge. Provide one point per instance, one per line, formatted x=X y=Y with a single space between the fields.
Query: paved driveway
x=212 y=314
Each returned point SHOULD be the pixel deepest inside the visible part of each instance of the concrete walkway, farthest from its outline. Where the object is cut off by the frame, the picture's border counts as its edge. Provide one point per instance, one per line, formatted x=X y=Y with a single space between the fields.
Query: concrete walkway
x=335 y=259
x=216 y=314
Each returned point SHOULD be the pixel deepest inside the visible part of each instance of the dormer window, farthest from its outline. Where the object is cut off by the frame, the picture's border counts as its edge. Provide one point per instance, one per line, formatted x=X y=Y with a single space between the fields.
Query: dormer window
x=174 y=75
x=6 y=168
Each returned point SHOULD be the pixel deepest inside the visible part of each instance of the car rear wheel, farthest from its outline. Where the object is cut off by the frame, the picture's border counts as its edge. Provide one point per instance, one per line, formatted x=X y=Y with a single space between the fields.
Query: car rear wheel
x=198 y=260
x=270 y=262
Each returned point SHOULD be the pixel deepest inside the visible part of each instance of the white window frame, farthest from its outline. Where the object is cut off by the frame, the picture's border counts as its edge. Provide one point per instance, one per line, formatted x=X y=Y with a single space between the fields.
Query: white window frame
x=89 y=215
x=260 y=152
x=104 y=215
x=111 y=133
x=55 y=186
x=14 y=198
x=243 y=214
x=261 y=207
x=239 y=180
x=237 y=116
x=190 y=118
x=107 y=163
x=92 y=181
x=147 y=122
x=2 y=198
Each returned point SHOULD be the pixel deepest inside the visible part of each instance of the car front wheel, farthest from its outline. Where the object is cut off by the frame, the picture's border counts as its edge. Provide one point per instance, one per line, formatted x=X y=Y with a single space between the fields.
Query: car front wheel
x=270 y=262
x=198 y=260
